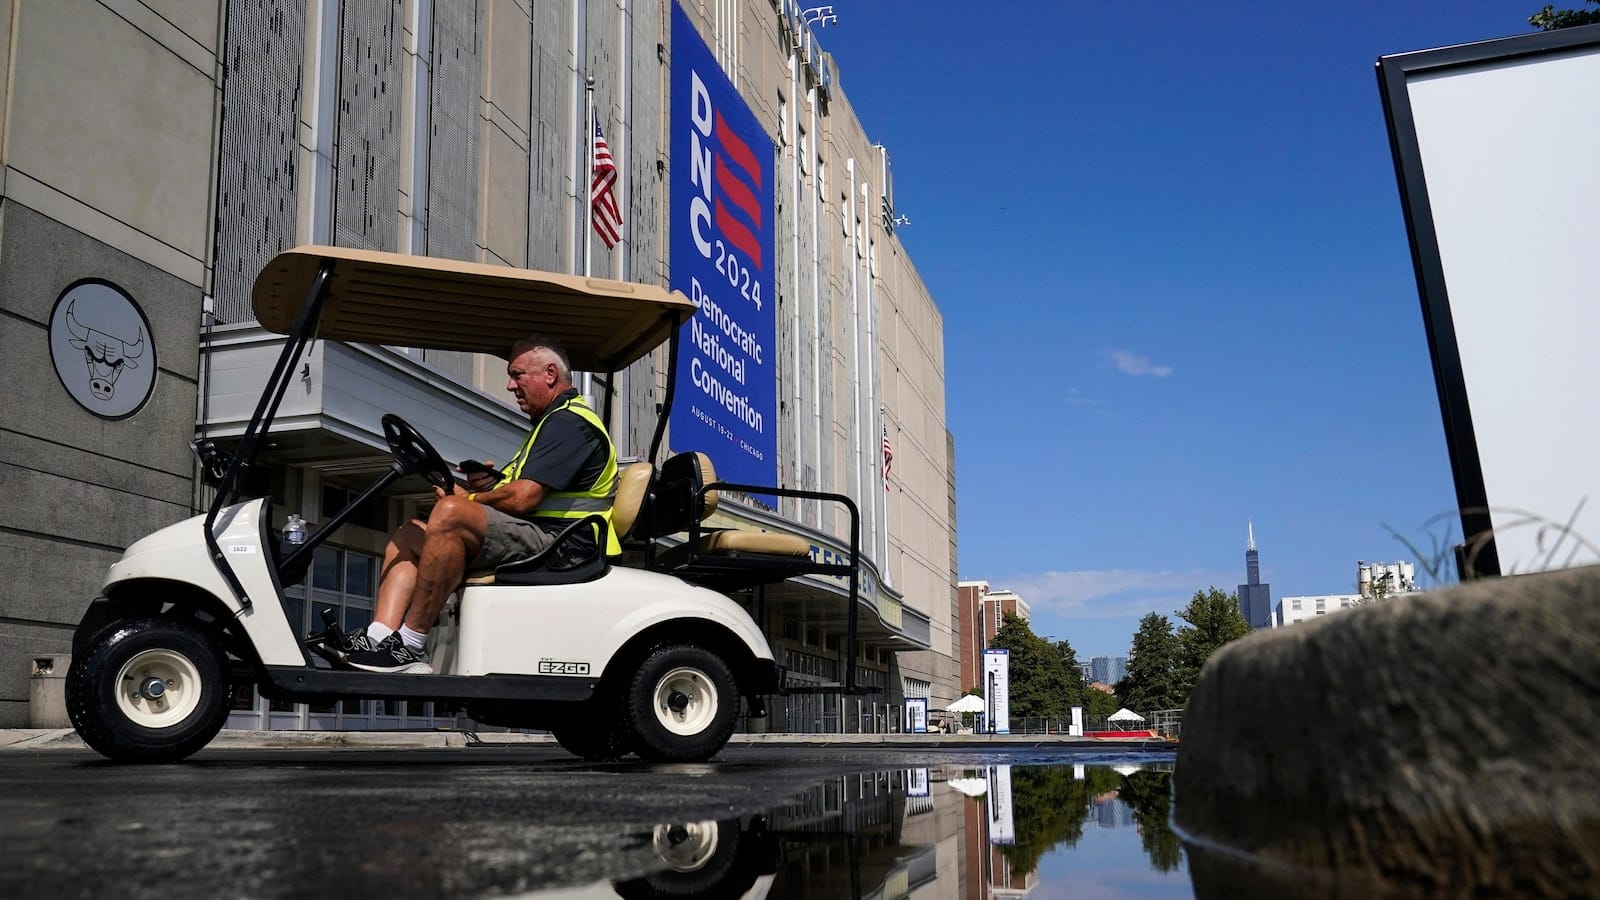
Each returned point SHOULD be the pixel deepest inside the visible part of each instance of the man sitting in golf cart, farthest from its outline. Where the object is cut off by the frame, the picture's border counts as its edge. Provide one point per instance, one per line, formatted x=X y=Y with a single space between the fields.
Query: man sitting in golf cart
x=566 y=469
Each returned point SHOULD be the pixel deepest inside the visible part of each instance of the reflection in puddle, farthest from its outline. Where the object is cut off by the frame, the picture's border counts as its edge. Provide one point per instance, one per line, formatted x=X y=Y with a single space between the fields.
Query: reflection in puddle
x=948 y=832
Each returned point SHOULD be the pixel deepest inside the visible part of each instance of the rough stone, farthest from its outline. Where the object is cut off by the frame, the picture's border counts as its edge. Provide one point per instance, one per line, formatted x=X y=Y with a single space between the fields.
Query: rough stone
x=1439 y=744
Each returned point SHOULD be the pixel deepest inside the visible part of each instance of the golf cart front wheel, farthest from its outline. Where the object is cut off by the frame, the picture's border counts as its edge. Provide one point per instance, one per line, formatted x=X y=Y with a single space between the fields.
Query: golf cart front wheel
x=149 y=690
x=682 y=704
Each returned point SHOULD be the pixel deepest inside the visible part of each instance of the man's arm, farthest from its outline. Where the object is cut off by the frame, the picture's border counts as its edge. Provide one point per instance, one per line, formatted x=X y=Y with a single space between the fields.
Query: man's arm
x=517 y=498
x=555 y=458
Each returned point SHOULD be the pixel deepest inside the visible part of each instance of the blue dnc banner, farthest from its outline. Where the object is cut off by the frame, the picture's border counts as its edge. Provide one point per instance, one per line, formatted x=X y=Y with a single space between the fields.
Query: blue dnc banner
x=722 y=258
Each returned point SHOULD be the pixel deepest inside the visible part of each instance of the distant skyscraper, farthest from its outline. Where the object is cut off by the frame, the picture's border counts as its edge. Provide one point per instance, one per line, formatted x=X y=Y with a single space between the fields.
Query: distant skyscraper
x=1108 y=669
x=1255 y=598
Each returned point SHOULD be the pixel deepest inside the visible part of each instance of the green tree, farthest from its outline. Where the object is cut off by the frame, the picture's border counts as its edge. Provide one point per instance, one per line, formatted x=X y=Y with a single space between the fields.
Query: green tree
x=1098 y=704
x=1214 y=619
x=1049 y=808
x=1150 y=795
x=1076 y=686
x=1550 y=18
x=1038 y=681
x=1152 y=679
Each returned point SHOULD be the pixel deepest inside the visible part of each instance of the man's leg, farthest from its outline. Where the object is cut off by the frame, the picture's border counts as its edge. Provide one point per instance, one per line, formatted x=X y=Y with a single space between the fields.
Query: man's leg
x=431 y=569
x=396 y=580
x=454 y=535
x=399 y=575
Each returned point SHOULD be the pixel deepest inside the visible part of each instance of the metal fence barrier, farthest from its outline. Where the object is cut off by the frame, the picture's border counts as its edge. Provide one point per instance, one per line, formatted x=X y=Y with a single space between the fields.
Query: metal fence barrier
x=1164 y=723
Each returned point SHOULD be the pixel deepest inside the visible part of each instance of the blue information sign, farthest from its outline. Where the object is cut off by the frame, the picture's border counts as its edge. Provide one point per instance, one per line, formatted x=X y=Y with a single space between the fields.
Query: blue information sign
x=722 y=258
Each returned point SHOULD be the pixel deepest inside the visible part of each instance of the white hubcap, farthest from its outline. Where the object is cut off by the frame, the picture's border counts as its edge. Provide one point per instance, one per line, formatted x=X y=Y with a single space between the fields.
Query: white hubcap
x=685 y=847
x=158 y=688
x=686 y=701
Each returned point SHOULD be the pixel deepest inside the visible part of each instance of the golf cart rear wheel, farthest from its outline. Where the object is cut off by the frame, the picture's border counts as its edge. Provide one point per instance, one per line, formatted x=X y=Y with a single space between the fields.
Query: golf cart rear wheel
x=149 y=690
x=681 y=704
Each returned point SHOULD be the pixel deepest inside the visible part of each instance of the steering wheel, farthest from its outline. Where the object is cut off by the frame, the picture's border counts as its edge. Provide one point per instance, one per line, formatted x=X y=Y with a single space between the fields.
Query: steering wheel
x=414 y=455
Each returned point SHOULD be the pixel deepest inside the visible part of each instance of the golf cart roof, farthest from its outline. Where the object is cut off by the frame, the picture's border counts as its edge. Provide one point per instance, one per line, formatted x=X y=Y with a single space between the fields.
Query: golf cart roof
x=446 y=304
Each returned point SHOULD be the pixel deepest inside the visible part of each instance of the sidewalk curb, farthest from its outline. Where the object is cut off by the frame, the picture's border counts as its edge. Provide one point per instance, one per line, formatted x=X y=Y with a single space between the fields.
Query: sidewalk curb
x=235 y=739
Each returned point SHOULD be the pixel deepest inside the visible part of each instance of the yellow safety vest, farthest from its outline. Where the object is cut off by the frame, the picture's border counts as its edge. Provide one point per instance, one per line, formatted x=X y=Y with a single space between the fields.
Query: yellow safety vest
x=566 y=506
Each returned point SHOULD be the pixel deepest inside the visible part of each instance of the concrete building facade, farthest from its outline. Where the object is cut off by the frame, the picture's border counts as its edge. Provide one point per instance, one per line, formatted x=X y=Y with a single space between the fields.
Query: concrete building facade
x=158 y=152
x=1291 y=610
x=981 y=611
x=1374 y=582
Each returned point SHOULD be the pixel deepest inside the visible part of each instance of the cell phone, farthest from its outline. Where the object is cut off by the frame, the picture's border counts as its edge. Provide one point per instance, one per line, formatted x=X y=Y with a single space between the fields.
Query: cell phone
x=474 y=467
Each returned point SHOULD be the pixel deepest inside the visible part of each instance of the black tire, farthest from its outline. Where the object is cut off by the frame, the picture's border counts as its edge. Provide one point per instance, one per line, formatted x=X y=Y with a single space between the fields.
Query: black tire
x=117 y=708
x=681 y=704
x=598 y=733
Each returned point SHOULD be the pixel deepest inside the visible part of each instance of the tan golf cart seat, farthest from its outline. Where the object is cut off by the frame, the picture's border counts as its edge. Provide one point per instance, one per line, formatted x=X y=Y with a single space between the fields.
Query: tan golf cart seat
x=727 y=557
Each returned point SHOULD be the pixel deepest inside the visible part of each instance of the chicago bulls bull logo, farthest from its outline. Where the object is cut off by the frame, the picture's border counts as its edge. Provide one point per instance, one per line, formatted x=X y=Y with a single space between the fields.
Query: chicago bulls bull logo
x=100 y=343
x=106 y=356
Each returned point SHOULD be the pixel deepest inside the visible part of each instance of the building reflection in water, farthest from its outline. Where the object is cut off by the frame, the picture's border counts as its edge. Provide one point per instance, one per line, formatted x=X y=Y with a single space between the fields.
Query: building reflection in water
x=962 y=833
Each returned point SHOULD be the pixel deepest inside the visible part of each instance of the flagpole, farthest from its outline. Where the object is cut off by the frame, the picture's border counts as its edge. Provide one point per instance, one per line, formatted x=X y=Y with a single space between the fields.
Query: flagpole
x=587 y=388
x=588 y=172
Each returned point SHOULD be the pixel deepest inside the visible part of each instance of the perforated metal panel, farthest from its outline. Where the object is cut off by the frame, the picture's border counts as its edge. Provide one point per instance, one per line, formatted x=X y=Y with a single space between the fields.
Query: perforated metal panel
x=366 y=203
x=256 y=180
x=453 y=111
x=550 y=188
x=453 y=139
x=647 y=188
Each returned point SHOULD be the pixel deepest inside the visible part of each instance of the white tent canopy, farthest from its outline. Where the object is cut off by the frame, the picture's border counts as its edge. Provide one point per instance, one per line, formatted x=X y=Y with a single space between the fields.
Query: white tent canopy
x=971 y=703
x=972 y=787
x=1125 y=715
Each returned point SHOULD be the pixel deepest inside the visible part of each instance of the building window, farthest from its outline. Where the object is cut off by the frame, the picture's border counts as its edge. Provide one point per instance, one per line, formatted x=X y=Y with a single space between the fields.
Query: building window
x=1322 y=605
x=1296 y=606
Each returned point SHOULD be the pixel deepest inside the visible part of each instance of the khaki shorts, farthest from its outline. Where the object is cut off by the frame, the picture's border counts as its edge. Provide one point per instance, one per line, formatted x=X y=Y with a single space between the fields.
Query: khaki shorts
x=509 y=539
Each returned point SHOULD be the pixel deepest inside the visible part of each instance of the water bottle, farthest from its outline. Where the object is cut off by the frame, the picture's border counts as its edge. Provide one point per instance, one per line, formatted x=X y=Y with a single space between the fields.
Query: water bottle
x=294 y=530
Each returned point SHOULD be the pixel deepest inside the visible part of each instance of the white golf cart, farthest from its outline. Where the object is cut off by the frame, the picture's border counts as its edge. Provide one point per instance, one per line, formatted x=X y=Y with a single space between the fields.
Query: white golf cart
x=648 y=657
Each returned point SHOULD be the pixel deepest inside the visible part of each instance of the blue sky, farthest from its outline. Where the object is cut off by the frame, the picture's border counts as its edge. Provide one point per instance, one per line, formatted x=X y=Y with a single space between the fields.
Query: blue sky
x=1177 y=291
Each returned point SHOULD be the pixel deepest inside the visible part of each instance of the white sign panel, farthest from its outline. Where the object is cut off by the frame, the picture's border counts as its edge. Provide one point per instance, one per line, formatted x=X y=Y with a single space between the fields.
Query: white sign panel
x=1492 y=145
x=917 y=715
x=996 y=691
x=916 y=782
x=998 y=806
x=1076 y=729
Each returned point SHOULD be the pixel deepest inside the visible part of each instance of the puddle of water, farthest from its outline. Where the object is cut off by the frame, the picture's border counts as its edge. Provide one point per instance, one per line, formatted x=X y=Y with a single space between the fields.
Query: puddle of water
x=963 y=831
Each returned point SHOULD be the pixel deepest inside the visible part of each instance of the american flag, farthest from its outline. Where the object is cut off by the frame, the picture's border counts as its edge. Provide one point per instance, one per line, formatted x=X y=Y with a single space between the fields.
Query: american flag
x=604 y=212
x=888 y=456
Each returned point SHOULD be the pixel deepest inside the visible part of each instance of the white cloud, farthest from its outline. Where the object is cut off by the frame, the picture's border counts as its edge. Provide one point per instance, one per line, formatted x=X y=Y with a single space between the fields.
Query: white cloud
x=1109 y=593
x=1137 y=364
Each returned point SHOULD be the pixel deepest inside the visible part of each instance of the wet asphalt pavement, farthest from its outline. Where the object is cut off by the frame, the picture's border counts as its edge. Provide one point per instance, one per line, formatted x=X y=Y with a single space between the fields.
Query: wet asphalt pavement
x=425 y=823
